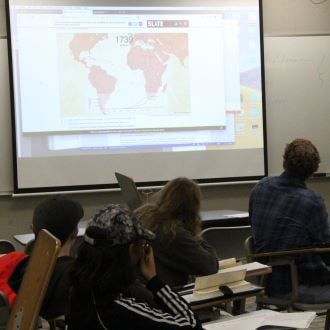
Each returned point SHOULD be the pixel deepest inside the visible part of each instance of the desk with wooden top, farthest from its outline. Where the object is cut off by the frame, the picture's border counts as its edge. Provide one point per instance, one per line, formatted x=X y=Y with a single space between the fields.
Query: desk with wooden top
x=26 y=238
x=224 y=218
x=219 y=298
x=293 y=252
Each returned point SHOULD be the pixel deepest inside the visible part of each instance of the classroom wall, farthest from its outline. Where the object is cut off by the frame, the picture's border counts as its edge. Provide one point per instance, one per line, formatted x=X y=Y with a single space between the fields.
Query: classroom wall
x=280 y=16
x=16 y=213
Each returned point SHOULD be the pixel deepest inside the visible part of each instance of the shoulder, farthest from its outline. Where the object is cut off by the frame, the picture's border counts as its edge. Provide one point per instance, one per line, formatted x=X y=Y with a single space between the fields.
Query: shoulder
x=311 y=196
x=62 y=266
x=267 y=180
x=264 y=183
x=181 y=231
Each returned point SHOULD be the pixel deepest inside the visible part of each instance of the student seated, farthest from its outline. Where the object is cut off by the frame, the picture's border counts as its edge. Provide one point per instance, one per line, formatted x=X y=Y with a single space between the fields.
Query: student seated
x=180 y=252
x=286 y=214
x=115 y=245
x=60 y=216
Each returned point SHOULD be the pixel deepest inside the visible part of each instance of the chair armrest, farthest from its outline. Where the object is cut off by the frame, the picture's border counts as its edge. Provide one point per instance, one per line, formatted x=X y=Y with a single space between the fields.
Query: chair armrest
x=293 y=252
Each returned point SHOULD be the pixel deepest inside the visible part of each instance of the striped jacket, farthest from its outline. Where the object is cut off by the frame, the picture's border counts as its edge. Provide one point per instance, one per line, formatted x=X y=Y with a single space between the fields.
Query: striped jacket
x=127 y=313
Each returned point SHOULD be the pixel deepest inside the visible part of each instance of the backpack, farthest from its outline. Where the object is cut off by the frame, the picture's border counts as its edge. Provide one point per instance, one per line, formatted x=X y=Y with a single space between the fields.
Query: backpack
x=8 y=264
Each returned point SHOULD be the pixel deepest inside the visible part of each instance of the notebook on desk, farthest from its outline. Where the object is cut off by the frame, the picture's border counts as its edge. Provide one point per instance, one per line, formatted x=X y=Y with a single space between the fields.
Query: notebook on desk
x=220 y=286
x=211 y=283
x=129 y=191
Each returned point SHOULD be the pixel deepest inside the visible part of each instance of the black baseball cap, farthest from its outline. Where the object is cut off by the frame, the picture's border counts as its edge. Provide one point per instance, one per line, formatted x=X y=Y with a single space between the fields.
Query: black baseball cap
x=58 y=214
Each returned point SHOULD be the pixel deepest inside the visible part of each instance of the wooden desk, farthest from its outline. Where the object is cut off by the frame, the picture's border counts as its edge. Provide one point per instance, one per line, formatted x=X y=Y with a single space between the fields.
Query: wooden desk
x=26 y=238
x=258 y=272
x=218 y=298
x=221 y=218
x=293 y=252
x=224 y=218
x=198 y=302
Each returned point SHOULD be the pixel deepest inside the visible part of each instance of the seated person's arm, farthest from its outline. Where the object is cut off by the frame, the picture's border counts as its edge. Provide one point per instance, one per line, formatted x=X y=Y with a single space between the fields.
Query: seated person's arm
x=318 y=227
x=169 y=301
x=192 y=256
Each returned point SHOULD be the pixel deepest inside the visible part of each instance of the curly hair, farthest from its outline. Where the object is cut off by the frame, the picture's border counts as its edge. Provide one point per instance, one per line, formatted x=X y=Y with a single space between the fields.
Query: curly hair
x=301 y=158
x=177 y=203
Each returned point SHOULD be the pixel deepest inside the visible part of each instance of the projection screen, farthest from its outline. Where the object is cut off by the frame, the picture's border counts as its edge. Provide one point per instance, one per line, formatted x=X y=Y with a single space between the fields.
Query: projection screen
x=155 y=90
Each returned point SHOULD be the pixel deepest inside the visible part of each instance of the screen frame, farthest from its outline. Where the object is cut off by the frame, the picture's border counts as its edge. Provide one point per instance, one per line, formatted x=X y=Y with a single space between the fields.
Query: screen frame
x=140 y=184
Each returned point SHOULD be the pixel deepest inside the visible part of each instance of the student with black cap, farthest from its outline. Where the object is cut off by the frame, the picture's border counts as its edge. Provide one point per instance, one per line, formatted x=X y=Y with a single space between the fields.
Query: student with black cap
x=115 y=245
x=60 y=215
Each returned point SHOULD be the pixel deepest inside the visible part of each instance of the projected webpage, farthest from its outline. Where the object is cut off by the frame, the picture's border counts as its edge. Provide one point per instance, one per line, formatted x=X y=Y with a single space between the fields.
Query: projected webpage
x=110 y=80
x=127 y=69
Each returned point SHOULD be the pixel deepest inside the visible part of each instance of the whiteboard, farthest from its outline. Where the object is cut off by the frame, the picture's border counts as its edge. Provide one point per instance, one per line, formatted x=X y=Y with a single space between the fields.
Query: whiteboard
x=296 y=17
x=297 y=72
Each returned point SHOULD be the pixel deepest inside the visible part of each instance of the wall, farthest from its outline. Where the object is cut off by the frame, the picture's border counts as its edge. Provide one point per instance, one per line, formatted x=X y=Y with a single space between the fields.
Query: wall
x=16 y=213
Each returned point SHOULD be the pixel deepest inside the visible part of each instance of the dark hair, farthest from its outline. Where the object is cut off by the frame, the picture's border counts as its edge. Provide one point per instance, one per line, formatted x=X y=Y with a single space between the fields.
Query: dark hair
x=59 y=215
x=301 y=159
x=102 y=270
x=178 y=202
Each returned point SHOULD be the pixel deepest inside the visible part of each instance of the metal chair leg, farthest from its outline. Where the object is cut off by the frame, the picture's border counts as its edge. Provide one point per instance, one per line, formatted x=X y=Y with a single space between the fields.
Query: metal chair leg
x=327 y=320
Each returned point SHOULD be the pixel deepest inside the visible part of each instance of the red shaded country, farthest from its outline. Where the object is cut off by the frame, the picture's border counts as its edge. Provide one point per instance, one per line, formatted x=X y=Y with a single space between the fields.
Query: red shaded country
x=104 y=84
x=153 y=61
x=173 y=43
x=150 y=64
x=85 y=42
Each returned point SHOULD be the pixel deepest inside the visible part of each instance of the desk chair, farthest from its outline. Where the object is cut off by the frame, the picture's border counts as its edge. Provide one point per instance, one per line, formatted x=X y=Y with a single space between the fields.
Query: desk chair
x=228 y=242
x=6 y=246
x=286 y=258
x=26 y=308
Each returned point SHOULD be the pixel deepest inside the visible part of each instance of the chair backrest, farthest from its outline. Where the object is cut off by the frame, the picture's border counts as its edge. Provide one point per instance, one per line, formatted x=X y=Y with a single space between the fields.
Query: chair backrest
x=4 y=311
x=248 y=248
x=33 y=288
x=227 y=241
x=6 y=246
x=129 y=191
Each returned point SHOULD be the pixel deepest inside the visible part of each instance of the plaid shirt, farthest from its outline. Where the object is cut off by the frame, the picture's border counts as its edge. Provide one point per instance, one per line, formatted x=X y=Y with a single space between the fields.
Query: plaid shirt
x=285 y=214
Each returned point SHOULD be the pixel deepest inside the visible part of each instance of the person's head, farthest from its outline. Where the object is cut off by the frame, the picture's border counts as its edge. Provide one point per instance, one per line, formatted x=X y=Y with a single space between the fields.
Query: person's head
x=177 y=202
x=113 y=246
x=59 y=215
x=301 y=159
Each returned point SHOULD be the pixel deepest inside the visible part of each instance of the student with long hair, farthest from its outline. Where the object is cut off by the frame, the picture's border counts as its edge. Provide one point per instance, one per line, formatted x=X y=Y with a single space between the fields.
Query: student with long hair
x=180 y=252
x=115 y=245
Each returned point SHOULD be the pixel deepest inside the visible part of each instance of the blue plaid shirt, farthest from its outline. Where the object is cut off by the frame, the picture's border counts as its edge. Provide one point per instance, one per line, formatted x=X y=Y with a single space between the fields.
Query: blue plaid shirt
x=285 y=214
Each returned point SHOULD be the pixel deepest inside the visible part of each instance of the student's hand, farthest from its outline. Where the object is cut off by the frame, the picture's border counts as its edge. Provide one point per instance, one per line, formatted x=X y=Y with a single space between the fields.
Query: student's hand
x=147 y=263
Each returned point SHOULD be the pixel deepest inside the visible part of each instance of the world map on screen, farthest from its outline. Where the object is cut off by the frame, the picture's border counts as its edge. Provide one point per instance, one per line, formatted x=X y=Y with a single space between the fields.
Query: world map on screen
x=131 y=72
